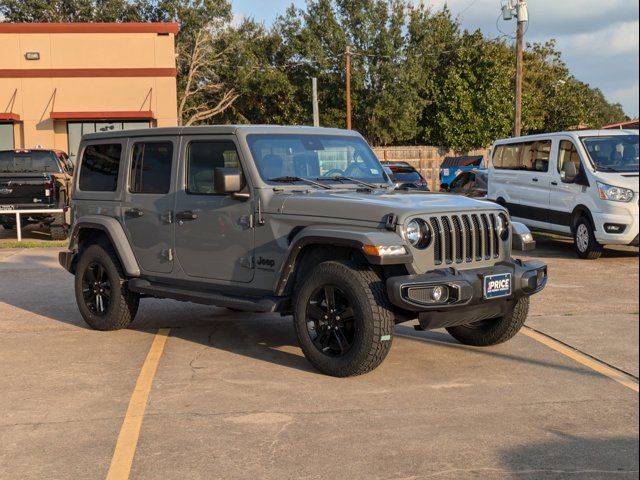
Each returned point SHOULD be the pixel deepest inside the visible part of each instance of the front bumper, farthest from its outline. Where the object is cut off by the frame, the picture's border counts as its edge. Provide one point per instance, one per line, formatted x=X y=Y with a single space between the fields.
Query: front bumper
x=467 y=303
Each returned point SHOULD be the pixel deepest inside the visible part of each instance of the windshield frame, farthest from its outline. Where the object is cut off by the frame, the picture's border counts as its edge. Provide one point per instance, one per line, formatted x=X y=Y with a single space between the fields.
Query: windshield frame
x=380 y=180
x=603 y=168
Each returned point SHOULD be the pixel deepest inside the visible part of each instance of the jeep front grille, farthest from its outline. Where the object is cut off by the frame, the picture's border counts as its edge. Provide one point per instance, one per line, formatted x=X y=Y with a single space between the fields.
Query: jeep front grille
x=464 y=238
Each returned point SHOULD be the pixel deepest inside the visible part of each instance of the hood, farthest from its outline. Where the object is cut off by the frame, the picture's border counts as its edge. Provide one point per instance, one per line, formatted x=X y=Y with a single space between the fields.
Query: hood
x=375 y=205
x=626 y=180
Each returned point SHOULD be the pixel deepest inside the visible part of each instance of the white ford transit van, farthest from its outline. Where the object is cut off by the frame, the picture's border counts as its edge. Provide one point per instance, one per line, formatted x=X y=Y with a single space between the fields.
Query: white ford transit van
x=582 y=183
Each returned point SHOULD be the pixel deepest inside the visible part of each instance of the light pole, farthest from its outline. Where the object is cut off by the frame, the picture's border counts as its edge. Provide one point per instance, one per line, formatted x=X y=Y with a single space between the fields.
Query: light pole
x=314 y=94
x=517 y=8
x=348 y=86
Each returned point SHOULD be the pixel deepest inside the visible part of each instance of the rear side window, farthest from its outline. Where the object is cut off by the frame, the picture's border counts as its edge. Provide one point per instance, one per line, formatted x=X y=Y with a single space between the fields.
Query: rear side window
x=28 y=161
x=529 y=156
x=203 y=159
x=151 y=167
x=100 y=166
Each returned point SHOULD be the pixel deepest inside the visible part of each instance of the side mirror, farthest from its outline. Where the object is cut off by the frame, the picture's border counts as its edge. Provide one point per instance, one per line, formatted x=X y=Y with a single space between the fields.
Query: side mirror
x=227 y=181
x=568 y=173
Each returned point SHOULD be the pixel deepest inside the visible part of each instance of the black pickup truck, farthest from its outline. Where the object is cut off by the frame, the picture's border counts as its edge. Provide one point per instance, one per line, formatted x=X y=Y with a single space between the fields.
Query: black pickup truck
x=35 y=179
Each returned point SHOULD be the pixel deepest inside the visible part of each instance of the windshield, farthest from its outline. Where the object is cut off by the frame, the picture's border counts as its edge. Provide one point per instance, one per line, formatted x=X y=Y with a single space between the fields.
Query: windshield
x=34 y=161
x=314 y=157
x=615 y=153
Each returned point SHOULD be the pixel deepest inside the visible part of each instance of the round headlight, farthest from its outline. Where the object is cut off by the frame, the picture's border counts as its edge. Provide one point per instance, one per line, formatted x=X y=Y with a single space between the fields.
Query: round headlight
x=418 y=233
x=502 y=226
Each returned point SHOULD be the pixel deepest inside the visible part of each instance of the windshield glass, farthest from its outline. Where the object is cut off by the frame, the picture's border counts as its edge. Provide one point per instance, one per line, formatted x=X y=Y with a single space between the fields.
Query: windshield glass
x=615 y=153
x=27 y=162
x=314 y=157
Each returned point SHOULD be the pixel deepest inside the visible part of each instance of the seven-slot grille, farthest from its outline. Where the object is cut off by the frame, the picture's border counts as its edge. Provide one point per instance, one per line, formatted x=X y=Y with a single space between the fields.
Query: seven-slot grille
x=464 y=238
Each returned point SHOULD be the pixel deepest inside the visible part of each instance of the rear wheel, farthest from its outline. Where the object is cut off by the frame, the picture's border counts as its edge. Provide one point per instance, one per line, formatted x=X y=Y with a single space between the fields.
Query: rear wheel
x=587 y=247
x=342 y=319
x=102 y=295
x=493 y=331
x=57 y=229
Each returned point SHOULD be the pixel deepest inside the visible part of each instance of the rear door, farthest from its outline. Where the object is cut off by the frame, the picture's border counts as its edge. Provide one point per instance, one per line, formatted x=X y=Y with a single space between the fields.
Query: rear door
x=149 y=198
x=214 y=233
x=533 y=183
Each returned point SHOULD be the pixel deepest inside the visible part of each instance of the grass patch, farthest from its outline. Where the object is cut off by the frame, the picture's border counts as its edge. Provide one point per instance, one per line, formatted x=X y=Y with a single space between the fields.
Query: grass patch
x=31 y=243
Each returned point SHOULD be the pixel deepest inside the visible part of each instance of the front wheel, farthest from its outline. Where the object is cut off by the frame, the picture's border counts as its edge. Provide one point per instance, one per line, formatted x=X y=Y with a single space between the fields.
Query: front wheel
x=493 y=331
x=587 y=247
x=103 y=298
x=342 y=319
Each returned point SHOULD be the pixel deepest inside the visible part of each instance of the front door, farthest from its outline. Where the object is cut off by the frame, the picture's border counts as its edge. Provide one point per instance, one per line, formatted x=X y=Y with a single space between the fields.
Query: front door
x=214 y=234
x=149 y=198
x=564 y=196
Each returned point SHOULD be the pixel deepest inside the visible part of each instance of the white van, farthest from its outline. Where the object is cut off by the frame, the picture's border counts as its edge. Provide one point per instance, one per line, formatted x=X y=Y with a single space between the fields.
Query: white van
x=582 y=183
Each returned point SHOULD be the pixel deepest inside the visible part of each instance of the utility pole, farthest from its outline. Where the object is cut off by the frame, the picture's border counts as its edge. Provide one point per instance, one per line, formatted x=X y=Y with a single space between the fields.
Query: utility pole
x=314 y=93
x=348 y=86
x=517 y=8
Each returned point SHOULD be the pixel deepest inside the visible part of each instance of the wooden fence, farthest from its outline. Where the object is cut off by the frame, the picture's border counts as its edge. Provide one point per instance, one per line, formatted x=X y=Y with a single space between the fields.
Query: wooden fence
x=425 y=159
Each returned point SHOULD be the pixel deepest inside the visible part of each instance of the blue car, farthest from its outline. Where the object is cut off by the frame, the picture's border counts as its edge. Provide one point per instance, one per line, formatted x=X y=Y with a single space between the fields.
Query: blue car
x=451 y=167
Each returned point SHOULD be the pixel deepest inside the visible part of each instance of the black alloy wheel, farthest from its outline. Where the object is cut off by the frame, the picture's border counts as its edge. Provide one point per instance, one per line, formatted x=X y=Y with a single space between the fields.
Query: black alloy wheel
x=330 y=321
x=96 y=289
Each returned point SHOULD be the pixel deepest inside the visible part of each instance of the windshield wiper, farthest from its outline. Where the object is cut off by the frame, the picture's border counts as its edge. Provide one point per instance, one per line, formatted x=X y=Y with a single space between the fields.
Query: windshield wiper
x=299 y=179
x=339 y=178
x=603 y=168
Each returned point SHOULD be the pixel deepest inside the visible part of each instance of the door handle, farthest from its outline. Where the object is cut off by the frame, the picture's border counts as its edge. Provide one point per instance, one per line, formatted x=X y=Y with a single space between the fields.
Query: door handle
x=555 y=184
x=534 y=180
x=134 y=212
x=187 y=215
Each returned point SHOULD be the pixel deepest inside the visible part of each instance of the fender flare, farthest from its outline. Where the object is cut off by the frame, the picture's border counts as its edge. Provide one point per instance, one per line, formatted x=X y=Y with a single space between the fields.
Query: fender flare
x=342 y=237
x=579 y=211
x=118 y=238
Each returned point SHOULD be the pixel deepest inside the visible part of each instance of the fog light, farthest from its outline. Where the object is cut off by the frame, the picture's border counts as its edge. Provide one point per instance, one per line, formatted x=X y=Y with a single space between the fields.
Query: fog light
x=542 y=274
x=437 y=293
x=614 y=228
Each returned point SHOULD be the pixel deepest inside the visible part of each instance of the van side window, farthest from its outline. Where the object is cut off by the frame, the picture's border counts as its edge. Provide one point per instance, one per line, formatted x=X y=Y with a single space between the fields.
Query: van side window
x=529 y=156
x=151 y=167
x=567 y=153
x=203 y=159
x=100 y=166
x=507 y=157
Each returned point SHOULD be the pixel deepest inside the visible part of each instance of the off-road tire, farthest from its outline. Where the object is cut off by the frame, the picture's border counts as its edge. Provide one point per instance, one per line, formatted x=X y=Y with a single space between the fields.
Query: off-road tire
x=58 y=232
x=123 y=304
x=584 y=240
x=373 y=316
x=494 y=331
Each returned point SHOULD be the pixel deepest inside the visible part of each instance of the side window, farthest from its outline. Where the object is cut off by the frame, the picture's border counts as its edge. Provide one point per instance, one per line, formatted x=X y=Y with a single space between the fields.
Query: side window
x=535 y=156
x=507 y=157
x=100 y=166
x=567 y=153
x=151 y=167
x=202 y=160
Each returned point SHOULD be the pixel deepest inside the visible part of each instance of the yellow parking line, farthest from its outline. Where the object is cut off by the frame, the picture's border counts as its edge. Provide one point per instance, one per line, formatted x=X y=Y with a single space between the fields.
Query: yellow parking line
x=583 y=359
x=130 y=431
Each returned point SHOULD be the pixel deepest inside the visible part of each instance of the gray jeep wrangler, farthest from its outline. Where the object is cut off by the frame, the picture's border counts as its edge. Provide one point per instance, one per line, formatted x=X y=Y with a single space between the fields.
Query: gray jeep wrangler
x=300 y=221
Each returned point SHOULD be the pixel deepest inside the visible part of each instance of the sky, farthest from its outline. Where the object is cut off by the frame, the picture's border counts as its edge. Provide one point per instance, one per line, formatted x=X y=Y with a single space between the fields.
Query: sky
x=598 y=38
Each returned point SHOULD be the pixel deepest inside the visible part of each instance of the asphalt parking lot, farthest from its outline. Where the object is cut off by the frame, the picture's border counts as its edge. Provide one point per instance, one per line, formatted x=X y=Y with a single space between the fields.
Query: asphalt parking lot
x=233 y=397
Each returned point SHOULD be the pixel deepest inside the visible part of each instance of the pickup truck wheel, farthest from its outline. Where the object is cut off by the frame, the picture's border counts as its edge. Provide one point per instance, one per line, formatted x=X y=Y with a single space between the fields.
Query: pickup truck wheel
x=342 y=319
x=493 y=331
x=58 y=232
x=587 y=247
x=102 y=295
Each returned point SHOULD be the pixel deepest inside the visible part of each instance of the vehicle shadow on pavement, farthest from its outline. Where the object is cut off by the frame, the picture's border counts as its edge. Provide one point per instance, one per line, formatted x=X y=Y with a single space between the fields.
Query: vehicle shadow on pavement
x=563 y=248
x=499 y=352
x=577 y=457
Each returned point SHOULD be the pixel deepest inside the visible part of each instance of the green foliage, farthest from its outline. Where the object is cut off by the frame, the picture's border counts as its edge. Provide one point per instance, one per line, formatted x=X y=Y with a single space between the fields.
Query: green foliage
x=417 y=77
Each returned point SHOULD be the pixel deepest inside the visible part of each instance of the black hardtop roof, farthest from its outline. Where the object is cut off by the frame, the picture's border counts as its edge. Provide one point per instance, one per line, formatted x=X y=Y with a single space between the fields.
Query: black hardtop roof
x=463 y=161
x=219 y=130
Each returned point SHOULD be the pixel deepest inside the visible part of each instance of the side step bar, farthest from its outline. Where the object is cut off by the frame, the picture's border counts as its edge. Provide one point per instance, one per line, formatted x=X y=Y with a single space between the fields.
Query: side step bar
x=259 y=304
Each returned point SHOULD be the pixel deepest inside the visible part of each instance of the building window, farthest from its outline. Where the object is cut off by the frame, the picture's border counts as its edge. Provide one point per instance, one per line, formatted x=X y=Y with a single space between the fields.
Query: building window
x=100 y=167
x=75 y=130
x=6 y=136
x=151 y=167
